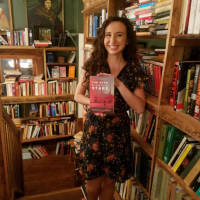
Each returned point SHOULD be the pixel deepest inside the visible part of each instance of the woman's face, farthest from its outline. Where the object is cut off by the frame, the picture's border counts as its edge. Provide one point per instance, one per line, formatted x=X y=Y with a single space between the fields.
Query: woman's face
x=115 y=38
x=47 y=4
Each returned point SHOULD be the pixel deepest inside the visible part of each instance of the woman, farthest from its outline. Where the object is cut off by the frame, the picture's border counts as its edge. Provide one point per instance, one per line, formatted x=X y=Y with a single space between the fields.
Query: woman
x=106 y=154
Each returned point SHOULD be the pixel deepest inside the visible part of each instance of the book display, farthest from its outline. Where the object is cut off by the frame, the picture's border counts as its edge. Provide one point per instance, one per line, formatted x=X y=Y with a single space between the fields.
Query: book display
x=38 y=94
x=167 y=134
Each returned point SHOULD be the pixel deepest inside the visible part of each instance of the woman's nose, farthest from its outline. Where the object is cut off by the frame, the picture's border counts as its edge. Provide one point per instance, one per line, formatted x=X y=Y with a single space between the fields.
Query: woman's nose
x=112 y=39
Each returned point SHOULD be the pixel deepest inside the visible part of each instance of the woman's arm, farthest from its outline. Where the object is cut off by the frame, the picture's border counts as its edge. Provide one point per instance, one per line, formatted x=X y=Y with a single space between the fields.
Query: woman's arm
x=136 y=99
x=81 y=90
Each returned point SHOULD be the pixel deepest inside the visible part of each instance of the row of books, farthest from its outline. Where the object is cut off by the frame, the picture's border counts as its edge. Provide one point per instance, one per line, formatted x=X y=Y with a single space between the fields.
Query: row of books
x=165 y=187
x=61 y=127
x=34 y=151
x=53 y=109
x=150 y=17
x=142 y=165
x=22 y=37
x=30 y=88
x=130 y=191
x=63 y=148
x=180 y=152
x=94 y=21
x=184 y=95
x=39 y=151
x=144 y=124
x=190 y=15
x=61 y=71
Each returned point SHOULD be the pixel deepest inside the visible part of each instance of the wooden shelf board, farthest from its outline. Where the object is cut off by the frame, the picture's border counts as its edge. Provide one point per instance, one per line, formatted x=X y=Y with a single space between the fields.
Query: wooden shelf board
x=61 y=49
x=145 y=146
x=32 y=47
x=190 y=40
x=44 y=118
x=62 y=79
x=95 y=6
x=151 y=37
x=142 y=187
x=179 y=180
x=36 y=99
x=56 y=63
x=180 y=120
x=152 y=101
x=45 y=138
x=188 y=36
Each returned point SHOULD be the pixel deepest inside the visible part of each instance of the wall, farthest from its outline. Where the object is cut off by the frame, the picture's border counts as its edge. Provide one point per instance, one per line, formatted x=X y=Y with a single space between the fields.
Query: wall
x=73 y=18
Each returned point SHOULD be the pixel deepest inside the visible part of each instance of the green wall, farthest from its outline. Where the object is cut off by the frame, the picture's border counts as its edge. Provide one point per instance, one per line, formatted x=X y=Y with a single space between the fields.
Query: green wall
x=73 y=18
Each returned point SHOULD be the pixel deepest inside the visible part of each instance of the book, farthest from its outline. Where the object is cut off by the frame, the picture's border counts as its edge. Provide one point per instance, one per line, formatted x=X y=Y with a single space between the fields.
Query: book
x=71 y=71
x=194 y=90
x=190 y=77
x=193 y=173
x=182 y=156
x=186 y=140
x=62 y=70
x=162 y=140
x=55 y=72
x=173 y=136
x=190 y=165
x=102 y=94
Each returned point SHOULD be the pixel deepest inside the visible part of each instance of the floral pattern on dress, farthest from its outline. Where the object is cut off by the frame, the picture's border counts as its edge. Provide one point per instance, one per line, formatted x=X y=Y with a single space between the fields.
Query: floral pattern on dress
x=106 y=142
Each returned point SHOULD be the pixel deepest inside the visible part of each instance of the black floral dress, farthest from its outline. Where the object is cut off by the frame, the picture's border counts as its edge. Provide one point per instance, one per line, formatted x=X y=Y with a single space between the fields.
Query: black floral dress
x=106 y=143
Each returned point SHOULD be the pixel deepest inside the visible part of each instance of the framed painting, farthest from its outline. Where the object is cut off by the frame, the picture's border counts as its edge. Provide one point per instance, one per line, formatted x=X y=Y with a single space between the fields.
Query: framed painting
x=46 y=13
x=6 y=15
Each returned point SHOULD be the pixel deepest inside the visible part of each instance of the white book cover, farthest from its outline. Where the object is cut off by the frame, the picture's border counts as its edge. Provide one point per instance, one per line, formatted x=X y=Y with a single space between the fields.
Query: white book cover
x=192 y=16
x=196 y=28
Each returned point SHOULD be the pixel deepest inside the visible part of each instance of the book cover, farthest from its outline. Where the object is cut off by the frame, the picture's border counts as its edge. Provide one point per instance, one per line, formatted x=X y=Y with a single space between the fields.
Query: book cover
x=193 y=173
x=63 y=71
x=190 y=165
x=71 y=71
x=102 y=94
x=162 y=139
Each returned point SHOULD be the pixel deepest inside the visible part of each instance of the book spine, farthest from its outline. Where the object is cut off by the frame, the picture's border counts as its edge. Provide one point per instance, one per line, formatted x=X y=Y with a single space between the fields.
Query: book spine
x=182 y=156
x=193 y=95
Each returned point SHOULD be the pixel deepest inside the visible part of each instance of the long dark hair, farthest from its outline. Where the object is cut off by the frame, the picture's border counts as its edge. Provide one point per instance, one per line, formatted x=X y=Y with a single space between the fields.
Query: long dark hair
x=98 y=59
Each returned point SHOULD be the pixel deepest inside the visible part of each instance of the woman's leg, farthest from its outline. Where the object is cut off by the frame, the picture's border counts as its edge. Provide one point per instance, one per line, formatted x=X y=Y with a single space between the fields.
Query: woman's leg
x=107 y=188
x=93 y=188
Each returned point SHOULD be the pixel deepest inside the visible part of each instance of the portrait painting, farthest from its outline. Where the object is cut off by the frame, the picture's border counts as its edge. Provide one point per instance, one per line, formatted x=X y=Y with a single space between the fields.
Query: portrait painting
x=5 y=15
x=46 y=13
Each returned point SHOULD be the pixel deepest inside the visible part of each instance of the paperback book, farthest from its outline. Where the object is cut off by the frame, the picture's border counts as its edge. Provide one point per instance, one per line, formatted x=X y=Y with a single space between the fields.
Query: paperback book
x=102 y=94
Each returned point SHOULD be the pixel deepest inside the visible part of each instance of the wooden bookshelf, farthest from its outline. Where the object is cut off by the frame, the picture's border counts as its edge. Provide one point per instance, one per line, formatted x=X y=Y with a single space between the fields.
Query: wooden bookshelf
x=177 y=178
x=36 y=99
x=180 y=120
x=145 y=146
x=46 y=138
x=175 y=45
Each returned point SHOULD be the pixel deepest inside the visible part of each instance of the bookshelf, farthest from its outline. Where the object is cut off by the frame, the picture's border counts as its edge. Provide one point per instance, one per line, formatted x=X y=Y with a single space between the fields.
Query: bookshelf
x=46 y=95
x=95 y=8
x=175 y=44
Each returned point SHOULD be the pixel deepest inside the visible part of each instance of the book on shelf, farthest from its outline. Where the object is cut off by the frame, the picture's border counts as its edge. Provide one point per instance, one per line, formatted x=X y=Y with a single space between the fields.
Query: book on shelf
x=102 y=94
x=62 y=71
x=162 y=139
x=188 y=151
x=186 y=140
x=188 y=89
x=190 y=164
x=192 y=173
x=71 y=71
x=174 y=136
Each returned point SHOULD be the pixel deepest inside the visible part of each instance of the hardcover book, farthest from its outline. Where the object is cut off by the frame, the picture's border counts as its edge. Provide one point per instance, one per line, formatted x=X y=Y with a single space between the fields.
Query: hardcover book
x=102 y=94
